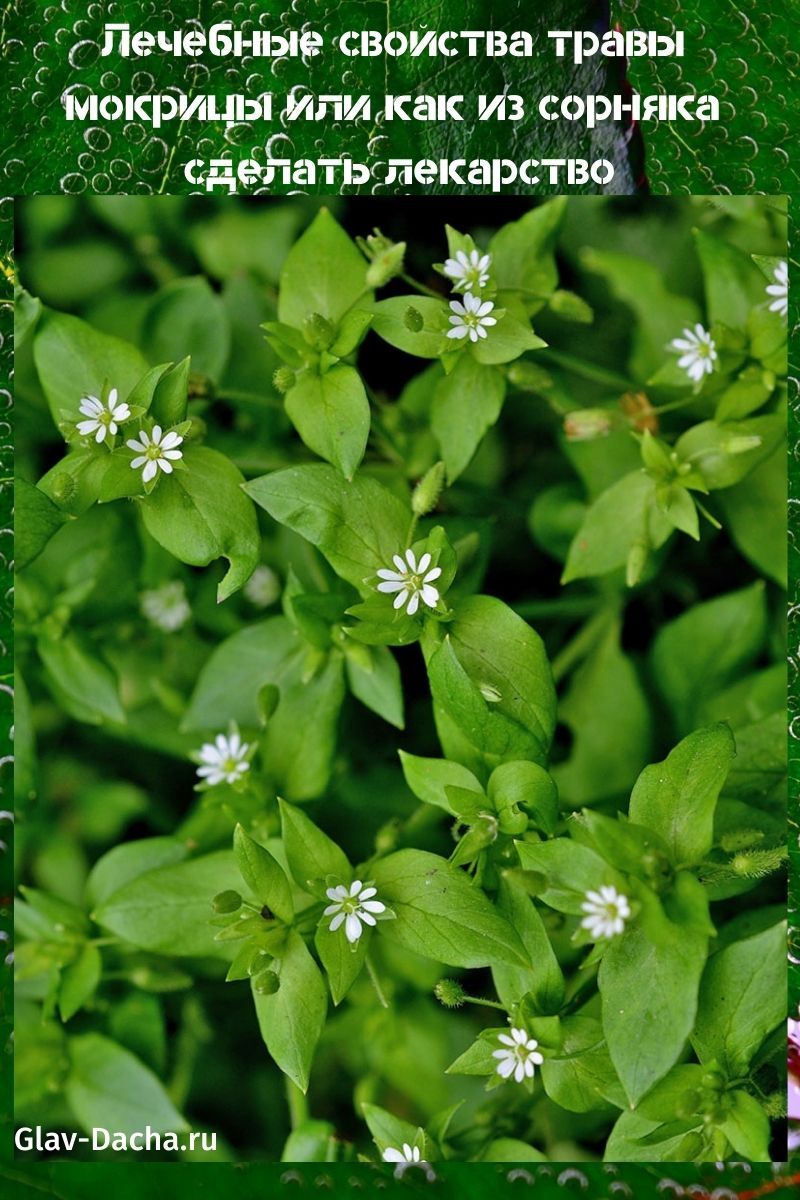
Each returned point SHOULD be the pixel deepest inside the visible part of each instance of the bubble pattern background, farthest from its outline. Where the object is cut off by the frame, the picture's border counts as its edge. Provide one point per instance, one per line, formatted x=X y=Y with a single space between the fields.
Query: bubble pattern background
x=52 y=48
x=743 y=51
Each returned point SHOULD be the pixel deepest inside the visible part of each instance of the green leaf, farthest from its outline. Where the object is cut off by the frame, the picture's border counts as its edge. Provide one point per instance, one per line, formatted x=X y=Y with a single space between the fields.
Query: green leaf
x=389 y=1130
x=622 y=516
x=109 y=1088
x=706 y=648
x=510 y=1150
x=517 y=789
x=201 y=514
x=37 y=519
x=299 y=742
x=262 y=874
x=358 y=526
x=395 y=321
x=323 y=273
x=229 y=684
x=342 y=960
x=677 y=798
x=581 y=1077
x=607 y=711
x=311 y=1141
x=491 y=681
x=714 y=449
x=466 y=403
x=291 y=1020
x=169 y=402
x=733 y=283
x=523 y=251
x=430 y=778
x=646 y=1028
x=168 y=910
x=73 y=360
x=311 y=854
x=440 y=914
x=507 y=340
x=128 y=861
x=754 y=514
x=739 y=1005
x=79 y=980
x=374 y=678
x=83 y=684
x=746 y=1126
x=245 y=239
x=569 y=868
x=543 y=979
x=187 y=317
x=331 y=414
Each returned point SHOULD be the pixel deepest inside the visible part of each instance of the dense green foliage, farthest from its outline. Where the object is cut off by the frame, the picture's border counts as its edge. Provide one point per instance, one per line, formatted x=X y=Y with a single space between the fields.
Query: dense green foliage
x=479 y=722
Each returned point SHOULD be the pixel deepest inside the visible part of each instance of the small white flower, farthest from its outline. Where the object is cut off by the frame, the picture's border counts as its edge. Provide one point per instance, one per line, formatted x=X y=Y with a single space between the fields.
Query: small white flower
x=412 y=581
x=166 y=606
x=224 y=760
x=350 y=907
x=468 y=270
x=104 y=419
x=470 y=318
x=698 y=352
x=521 y=1058
x=263 y=587
x=156 y=451
x=607 y=910
x=780 y=289
x=409 y=1154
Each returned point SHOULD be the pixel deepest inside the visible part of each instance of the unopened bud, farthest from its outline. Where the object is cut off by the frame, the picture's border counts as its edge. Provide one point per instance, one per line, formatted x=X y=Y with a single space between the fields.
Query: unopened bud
x=490 y=694
x=63 y=487
x=742 y=443
x=449 y=993
x=412 y=319
x=227 y=902
x=283 y=380
x=267 y=983
x=318 y=331
x=426 y=494
x=386 y=265
x=586 y=424
x=636 y=563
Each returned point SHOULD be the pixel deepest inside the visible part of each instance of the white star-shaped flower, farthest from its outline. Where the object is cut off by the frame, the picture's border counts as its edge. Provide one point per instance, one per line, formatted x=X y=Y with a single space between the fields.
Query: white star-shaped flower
x=519 y=1057
x=351 y=906
x=697 y=350
x=471 y=318
x=408 y=1154
x=468 y=270
x=780 y=289
x=412 y=581
x=166 y=606
x=156 y=451
x=607 y=911
x=224 y=760
x=103 y=419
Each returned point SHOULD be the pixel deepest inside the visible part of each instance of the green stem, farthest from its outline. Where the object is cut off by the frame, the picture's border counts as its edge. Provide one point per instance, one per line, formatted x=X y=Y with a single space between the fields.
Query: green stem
x=583 y=643
x=586 y=370
x=376 y=983
x=483 y=1002
x=298 y=1106
x=422 y=288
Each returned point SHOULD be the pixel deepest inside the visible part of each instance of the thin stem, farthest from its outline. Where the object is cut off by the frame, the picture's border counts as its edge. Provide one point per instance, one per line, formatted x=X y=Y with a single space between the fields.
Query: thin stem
x=422 y=288
x=376 y=983
x=584 y=641
x=586 y=370
x=298 y=1106
x=484 y=1003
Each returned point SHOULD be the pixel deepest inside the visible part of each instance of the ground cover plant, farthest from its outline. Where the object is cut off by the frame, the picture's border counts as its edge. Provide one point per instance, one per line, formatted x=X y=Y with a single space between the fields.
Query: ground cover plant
x=401 y=699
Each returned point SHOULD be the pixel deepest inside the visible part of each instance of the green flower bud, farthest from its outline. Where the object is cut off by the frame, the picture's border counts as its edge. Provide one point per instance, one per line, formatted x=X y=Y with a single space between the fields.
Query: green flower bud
x=586 y=424
x=260 y=961
x=449 y=993
x=714 y=1080
x=741 y=444
x=267 y=983
x=527 y=377
x=227 y=902
x=688 y=1104
x=318 y=331
x=426 y=494
x=283 y=380
x=412 y=319
x=386 y=265
x=637 y=561
x=63 y=487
